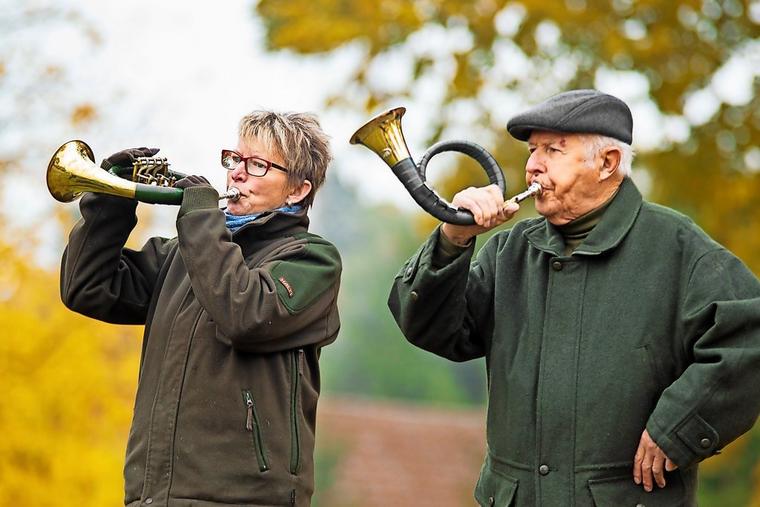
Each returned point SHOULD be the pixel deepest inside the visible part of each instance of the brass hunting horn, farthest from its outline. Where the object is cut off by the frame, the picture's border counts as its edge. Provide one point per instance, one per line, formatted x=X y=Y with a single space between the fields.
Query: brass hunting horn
x=72 y=171
x=383 y=135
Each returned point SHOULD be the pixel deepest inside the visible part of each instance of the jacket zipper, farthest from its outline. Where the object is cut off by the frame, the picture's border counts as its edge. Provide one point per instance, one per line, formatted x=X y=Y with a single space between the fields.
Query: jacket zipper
x=295 y=450
x=252 y=424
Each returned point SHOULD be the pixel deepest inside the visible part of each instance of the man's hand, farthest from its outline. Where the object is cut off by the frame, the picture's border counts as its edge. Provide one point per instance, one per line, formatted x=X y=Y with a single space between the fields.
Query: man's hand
x=650 y=462
x=487 y=206
x=126 y=158
x=192 y=181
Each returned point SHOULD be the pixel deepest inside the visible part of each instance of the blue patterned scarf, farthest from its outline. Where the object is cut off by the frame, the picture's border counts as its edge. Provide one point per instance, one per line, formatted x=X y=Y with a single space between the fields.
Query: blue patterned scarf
x=235 y=222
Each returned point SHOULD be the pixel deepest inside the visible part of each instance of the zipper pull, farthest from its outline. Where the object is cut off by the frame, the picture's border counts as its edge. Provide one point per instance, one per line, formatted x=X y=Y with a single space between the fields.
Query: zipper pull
x=249 y=417
x=300 y=361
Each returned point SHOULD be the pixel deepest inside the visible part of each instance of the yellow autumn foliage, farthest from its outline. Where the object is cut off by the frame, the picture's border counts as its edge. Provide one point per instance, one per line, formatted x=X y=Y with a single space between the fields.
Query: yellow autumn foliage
x=67 y=389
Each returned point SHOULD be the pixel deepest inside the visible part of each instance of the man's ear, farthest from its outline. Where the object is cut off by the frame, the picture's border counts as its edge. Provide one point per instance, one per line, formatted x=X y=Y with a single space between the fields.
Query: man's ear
x=610 y=162
x=299 y=194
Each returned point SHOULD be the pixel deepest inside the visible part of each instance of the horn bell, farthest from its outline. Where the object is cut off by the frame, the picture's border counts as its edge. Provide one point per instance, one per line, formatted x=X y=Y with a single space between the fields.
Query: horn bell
x=383 y=135
x=72 y=171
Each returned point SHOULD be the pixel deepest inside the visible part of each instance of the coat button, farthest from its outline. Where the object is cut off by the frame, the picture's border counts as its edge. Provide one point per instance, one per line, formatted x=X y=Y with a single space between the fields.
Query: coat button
x=543 y=469
x=148 y=500
x=640 y=505
x=413 y=295
x=557 y=266
x=409 y=271
x=705 y=443
x=491 y=501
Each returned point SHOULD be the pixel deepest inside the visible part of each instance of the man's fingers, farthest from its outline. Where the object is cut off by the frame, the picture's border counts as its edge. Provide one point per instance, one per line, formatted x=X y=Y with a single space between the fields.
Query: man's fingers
x=646 y=472
x=658 y=470
x=638 y=459
x=669 y=465
x=466 y=202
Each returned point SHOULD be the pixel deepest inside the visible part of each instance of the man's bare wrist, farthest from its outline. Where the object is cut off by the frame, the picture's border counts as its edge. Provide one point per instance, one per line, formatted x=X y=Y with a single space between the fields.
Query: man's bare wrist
x=456 y=239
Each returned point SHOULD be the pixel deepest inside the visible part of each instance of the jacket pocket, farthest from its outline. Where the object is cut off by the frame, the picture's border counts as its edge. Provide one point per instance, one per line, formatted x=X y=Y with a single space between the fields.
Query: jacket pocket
x=296 y=370
x=622 y=491
x=252 y=424
x=495 y=489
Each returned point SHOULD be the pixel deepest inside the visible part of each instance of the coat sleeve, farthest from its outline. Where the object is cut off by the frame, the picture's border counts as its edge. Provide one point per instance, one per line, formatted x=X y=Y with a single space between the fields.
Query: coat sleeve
x=102 y=279
x=446 y=310
x=288 y=301
x=715 y=399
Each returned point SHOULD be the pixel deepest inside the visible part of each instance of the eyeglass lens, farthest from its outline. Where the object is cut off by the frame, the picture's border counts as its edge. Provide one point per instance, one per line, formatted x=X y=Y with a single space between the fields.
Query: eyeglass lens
x=253 y=166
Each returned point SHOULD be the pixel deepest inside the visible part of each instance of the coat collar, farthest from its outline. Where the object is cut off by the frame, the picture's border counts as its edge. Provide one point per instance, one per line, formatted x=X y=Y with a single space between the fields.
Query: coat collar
x=273 y=224
x=608 y=233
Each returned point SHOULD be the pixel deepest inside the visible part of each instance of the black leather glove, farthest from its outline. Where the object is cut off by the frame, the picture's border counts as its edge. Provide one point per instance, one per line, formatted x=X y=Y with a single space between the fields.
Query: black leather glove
x=192 y=181
x=126 y=158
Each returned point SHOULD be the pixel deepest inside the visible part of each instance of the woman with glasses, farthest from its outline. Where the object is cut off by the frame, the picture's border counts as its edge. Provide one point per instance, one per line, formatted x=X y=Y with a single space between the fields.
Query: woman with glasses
x=236 y=309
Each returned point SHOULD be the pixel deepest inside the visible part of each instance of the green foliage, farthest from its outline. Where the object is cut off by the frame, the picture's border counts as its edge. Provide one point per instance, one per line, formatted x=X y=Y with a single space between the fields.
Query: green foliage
x=371 y=357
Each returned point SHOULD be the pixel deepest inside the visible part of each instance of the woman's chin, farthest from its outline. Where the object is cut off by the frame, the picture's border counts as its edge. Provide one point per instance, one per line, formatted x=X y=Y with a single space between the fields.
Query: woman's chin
x=235 y=209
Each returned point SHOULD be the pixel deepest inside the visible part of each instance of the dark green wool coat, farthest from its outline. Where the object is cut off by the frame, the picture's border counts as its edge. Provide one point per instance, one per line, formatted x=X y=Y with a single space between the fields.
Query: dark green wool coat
x=648 y=324
x=229 y=379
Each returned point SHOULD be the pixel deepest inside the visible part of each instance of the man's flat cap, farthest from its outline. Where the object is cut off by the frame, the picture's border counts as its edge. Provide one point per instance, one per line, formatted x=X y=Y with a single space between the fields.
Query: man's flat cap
x=578 y=112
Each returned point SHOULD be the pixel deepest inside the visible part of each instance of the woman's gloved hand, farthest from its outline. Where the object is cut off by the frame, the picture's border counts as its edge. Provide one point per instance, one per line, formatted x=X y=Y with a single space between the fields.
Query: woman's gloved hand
x=192 y=181
x=126 y=158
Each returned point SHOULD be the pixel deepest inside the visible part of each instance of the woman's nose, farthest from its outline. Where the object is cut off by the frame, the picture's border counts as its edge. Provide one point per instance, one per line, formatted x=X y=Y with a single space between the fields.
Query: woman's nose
x=238 y=173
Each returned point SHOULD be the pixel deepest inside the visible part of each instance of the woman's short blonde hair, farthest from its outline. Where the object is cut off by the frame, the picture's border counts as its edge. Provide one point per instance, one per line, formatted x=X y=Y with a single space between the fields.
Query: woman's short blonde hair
x=298 y=139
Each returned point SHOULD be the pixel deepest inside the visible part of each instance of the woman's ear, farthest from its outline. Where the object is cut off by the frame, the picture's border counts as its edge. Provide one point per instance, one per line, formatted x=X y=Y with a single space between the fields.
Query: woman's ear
x=299 y=194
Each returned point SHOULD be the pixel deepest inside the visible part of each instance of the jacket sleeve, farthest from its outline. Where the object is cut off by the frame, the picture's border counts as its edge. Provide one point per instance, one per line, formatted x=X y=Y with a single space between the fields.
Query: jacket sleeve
x=288 y=301
x=99 y=277
x=446 y=309
x=715 y=399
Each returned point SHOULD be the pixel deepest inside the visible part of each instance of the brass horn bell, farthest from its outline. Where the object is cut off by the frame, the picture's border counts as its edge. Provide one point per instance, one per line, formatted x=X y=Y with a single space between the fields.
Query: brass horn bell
x=72 y=171
x=383 y=135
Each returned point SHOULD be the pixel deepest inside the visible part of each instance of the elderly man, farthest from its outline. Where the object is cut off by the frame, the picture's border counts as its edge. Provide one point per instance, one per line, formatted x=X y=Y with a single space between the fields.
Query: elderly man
x=622 y=344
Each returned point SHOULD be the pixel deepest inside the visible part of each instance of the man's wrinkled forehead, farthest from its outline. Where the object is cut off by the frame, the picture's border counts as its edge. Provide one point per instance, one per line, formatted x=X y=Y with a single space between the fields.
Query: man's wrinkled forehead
x=542 y=137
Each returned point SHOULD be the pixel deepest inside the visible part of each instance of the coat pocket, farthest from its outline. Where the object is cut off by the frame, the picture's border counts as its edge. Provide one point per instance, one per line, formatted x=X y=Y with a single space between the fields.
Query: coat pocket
x=495 y=489
x=622 y=491
x=252 y=424
x=296 y=370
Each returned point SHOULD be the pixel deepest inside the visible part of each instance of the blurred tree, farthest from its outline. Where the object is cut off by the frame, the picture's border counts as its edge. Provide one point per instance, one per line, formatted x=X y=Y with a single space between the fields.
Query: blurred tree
x=38 y=83
x=68 y=385
x=371 y=357
x=689 y=70
x=476 y=63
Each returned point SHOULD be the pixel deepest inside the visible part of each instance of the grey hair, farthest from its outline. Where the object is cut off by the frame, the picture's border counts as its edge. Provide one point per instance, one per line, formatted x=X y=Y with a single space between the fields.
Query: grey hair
x=596 y=142
x=298 y=139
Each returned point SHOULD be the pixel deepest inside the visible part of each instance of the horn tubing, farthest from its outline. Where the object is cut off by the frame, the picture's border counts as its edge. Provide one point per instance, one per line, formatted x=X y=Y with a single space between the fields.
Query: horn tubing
x=436 y=205
x=383 y=136
x=152 y=194
x=72 y=171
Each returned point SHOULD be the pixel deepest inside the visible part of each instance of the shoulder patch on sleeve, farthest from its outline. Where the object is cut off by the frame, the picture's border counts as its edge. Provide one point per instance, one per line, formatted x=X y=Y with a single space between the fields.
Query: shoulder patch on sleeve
x=301 y=280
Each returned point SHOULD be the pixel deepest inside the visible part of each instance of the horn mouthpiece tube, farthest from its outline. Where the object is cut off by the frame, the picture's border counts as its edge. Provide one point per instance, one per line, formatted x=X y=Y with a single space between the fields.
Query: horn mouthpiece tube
x=232 y=194
x=533 y=190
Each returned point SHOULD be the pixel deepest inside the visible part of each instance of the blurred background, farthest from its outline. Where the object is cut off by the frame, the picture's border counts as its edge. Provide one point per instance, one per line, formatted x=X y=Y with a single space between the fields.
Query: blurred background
x=397 y=426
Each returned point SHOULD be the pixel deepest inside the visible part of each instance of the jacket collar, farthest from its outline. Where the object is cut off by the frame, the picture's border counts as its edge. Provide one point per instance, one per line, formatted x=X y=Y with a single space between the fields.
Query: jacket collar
x=272 y=224
x=608 y=233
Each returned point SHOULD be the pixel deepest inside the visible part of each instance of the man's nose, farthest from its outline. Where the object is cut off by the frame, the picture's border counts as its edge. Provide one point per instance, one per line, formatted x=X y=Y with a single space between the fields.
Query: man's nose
x=534 y=164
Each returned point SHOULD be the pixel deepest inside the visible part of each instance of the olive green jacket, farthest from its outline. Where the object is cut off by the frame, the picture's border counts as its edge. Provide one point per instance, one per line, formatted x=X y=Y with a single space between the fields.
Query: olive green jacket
x=648 y=324
x=229 y=379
